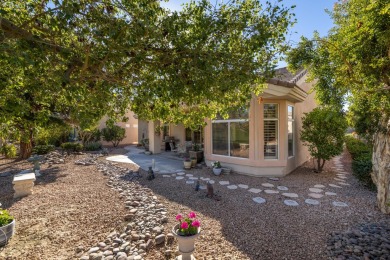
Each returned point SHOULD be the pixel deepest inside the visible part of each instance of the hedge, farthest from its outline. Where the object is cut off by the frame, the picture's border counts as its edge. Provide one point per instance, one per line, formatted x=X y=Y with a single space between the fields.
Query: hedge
x=361 y=160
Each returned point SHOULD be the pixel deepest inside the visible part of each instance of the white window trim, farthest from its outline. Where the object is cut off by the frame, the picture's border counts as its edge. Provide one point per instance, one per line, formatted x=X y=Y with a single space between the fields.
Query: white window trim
x=272 y=119
x=293 y=131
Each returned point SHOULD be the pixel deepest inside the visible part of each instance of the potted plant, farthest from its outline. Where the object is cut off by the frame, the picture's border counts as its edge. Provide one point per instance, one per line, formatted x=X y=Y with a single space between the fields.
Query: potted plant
x=186 y=231
x=7 y=226
x=187 y=163
x=217 y=169
x=196 y=152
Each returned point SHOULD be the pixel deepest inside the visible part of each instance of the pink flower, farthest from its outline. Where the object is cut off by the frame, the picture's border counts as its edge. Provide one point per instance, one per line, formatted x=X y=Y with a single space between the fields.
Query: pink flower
x=184 y=225
x=196 y=223
x=192 y=214
x=179 y=217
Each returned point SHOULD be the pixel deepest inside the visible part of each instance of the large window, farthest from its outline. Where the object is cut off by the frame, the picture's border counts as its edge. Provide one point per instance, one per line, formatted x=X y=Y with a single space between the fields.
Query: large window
x=271 y=125
x=290 y=130
x=231 y=136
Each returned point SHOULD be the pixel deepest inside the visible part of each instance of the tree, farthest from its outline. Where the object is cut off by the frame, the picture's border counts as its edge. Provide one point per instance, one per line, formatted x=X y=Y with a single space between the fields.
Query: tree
x=354 y=59
x=77 y=60
x=323 y=132
x=114 y=134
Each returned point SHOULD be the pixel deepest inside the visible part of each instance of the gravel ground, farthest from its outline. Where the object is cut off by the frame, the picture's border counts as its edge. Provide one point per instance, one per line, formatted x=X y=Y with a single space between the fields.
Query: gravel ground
x=72 y=209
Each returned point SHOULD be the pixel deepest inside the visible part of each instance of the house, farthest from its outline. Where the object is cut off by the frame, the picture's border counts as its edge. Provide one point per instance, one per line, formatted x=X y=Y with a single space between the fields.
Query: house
x=259 y=140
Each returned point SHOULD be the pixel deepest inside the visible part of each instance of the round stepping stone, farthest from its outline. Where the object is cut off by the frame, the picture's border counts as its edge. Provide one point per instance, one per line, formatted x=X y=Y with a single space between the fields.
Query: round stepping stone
x=232 y=187
x=335 y=186
x=312 y=202
x=319 y=186
x=315 y=195
x=344 y=183
x=189 y=175
x=341 y=176
x=253 y=190
x=290 y=195
x=316 y=190
x=291 y=203
x=164 y=172
x=282 y=188
x=202 y=187
x=330 y=193
x=180 y=173
x=271 y=191
x=243 y=186
x=193 y=178
x=259 y=200
x=211 y=181
x=205 y=179
x=224 y=182
x=179 y=177
x=166 y=176
x=339 y=204
x=273 y=179
x=190 y=182
x=268 y=185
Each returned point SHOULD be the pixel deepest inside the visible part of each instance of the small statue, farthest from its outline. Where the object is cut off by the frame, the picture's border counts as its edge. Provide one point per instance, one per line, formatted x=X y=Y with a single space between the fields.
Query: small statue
x=35 y=160
x=197 y=185
x=150 y=174
x=210 y=190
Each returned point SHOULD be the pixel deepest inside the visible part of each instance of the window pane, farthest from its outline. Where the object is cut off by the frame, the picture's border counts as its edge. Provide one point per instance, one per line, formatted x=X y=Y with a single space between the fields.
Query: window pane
x=290 y=138
x=290 y=112
x=270 y=139
x=237 y=113
x=270 y=110
x=220 y=138
x=239 y=139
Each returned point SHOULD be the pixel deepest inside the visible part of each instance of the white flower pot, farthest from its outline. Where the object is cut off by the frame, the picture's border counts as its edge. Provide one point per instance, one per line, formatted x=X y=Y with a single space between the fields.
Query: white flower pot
x=6 y=232
x=217 y=171
x=186 y=243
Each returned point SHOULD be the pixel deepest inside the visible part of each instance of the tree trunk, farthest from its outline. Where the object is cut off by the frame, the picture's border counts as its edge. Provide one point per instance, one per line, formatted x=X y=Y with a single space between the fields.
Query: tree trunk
x=26 y=145
x=381 y=166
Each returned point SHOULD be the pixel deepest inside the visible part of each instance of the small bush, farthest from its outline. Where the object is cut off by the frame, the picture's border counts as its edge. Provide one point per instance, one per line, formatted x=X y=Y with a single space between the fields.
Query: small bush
x=5 y=217
x=8 y=150
x=361 y=160
x=356 y=147
x=72 y=147
x=114 y=134
x=87 y=136
x=93 y=146
x=43 y=149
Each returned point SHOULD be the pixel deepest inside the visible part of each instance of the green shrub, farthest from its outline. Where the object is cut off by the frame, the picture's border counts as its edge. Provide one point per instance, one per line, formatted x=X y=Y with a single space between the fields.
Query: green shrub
x=8 y=150
x=43 y=149
x=323 y=133
x=54 y=134
x=5 y=217
x=114 y=134
x=361 y=160
x=89 y=136
x=95 y=146
x=356 y=147
x=72 y=147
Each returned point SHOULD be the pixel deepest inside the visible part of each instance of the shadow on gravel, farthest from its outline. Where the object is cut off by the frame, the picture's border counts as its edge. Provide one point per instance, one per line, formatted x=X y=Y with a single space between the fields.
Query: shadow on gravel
x=49 y=175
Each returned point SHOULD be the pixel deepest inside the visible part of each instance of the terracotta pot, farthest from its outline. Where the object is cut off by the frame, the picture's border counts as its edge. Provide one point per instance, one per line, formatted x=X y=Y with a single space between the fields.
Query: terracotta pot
x=187 y=164
x=193 y=162
x=217 y=171
x=6 y=232
x=186 y=243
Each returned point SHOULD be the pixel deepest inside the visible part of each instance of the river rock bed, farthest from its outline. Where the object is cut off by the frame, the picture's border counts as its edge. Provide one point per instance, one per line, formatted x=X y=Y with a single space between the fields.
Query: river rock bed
x=367 y=241
x=145 y=219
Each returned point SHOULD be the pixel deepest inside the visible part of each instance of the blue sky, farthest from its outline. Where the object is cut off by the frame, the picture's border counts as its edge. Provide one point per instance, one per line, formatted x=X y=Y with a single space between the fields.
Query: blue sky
x=310 y=15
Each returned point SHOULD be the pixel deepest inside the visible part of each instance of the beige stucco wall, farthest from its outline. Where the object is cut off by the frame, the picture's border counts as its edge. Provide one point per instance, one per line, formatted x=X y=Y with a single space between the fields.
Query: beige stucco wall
x=131 y=127
x=256 y=165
